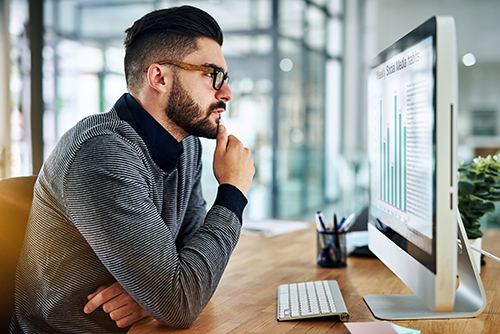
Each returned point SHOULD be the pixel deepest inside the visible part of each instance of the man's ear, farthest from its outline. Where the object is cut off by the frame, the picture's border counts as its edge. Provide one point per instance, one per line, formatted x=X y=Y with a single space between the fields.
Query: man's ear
x=159 y=78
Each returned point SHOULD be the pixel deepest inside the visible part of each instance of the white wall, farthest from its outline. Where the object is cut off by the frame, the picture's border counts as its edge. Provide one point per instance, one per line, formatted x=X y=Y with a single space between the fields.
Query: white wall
x=477 y=23
x=478 y=31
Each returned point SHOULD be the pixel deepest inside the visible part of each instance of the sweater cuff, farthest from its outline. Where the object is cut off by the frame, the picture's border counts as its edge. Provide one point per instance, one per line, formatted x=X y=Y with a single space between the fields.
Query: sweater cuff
x=232 y=198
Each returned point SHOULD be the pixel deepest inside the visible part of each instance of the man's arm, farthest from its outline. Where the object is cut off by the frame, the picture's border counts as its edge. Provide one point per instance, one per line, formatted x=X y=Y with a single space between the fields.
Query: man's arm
x=233 y=168
x=111 y=205
x=196 y=210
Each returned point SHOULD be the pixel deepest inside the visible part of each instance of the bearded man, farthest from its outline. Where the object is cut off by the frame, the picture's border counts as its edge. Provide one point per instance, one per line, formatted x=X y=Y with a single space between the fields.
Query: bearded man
x=118 y=228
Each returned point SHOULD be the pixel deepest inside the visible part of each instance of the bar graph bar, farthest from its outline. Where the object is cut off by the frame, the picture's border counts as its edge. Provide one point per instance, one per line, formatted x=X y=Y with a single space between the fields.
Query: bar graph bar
x=393 y=155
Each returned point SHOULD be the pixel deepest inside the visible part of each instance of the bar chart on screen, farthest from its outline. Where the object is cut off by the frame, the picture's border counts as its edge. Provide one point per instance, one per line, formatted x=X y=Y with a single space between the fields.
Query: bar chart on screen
x=393 y=153
x=401 y=125
x=399 y=117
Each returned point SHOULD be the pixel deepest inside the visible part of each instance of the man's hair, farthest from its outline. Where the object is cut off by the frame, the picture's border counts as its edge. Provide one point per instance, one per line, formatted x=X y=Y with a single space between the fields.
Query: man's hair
x=165 y=34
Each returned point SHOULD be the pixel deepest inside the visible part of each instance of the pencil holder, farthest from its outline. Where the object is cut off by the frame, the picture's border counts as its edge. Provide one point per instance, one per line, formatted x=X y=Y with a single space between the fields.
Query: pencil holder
x=331 y=249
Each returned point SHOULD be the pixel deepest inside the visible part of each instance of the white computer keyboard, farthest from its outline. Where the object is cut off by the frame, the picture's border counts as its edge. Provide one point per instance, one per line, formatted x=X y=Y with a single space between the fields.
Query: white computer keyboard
x=311 y=299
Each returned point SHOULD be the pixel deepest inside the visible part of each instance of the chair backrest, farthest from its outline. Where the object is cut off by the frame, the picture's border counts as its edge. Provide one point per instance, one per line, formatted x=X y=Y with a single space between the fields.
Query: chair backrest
x=16 y=195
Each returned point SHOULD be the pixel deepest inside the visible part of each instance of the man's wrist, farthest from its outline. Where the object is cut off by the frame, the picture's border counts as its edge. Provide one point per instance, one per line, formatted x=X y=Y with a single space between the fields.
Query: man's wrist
x=232 y=198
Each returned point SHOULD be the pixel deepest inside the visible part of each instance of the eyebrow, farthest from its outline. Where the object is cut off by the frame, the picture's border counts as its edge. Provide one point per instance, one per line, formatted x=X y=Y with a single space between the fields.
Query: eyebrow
x=214 y=66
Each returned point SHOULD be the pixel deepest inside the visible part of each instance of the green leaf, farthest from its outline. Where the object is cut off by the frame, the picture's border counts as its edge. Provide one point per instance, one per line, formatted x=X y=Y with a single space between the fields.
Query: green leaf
x=478 y=189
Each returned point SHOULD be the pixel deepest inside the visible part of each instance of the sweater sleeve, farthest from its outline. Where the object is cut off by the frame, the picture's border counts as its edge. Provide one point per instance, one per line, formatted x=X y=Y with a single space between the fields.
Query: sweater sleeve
x=227 y=196
x=109 y=200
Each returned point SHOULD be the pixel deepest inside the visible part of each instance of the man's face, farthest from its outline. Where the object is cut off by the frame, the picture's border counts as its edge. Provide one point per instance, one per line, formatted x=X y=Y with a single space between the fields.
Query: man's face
x=189 y=115
x=193 y=104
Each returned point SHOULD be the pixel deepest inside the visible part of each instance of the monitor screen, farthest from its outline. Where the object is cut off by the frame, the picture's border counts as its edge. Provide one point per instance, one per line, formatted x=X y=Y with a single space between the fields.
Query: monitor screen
x=402 y=145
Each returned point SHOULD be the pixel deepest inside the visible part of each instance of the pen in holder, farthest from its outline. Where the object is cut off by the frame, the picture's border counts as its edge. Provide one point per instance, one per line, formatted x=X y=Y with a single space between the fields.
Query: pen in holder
x=331 y=249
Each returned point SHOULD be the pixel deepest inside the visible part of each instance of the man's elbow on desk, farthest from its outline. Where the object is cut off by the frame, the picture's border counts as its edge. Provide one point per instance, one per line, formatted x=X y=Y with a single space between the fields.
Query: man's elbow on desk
x=183 y=318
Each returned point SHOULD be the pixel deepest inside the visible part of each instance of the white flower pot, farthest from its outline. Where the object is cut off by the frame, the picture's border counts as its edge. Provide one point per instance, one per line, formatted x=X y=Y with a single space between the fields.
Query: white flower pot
x=476 y=255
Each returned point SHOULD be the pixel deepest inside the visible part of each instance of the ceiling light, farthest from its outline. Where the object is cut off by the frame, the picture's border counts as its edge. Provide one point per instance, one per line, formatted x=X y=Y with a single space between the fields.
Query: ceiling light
x=469 y=59
x=286 y=65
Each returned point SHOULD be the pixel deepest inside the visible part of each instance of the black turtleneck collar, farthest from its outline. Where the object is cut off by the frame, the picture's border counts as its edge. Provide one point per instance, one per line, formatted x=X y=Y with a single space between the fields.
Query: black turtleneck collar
x=164 y=149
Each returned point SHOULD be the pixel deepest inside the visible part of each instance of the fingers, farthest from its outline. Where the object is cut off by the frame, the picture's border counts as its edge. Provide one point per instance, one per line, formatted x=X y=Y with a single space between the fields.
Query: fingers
x=102 y=295
x=233 y=163
x=221 y=138
x=128 y=314
x=118 y=303
x=125 y=321
x=99 y=289
x=129 y=320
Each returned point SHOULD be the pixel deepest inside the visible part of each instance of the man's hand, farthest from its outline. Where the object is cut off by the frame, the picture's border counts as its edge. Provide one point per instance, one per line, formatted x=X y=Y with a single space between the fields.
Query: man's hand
x=233 y=163
x=115 y=301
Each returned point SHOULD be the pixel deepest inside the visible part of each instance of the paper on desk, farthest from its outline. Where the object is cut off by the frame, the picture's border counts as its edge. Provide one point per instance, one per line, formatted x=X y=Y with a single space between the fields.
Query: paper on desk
x=378 y=327
x=271 y=227
x=356 y=239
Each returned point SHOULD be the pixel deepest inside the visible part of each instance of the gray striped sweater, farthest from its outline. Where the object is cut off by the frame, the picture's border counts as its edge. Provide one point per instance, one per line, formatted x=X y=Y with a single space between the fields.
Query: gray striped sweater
x=103 y=210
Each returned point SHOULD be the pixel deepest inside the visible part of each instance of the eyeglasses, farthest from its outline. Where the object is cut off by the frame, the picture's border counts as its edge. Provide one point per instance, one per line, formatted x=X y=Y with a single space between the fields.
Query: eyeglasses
x=218 y=74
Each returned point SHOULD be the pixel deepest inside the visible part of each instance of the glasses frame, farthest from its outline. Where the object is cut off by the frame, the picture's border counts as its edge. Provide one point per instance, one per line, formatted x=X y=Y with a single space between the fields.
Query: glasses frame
x=212 y=70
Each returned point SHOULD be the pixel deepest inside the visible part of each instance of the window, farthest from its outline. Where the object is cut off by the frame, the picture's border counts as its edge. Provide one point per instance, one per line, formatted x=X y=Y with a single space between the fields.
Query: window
x=285 y=78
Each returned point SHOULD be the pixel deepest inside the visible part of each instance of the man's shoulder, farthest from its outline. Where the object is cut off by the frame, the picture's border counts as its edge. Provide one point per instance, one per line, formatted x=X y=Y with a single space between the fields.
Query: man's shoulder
x=103 y=132
x=98 y=125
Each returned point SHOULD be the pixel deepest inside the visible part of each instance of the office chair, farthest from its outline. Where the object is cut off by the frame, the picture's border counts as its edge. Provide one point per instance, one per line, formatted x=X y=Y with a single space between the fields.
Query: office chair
x=16 y=195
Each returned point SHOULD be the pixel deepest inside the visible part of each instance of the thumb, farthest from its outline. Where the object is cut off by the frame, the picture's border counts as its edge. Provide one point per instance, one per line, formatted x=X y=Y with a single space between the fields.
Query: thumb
x=221 y=138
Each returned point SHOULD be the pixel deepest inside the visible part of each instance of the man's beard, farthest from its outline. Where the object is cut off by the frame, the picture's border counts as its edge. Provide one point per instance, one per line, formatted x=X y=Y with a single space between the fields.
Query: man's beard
x=185 y=113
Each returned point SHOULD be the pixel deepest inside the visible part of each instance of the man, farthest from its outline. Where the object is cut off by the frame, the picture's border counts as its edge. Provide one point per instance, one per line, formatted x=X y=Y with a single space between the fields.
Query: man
x=118 y=223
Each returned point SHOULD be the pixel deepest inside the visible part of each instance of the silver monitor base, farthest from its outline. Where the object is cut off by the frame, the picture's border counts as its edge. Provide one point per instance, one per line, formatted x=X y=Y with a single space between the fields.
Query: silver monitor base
x=470 y=298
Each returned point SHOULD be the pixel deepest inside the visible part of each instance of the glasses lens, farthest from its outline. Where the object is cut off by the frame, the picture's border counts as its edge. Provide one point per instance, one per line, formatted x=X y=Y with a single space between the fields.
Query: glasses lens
x=218 y=79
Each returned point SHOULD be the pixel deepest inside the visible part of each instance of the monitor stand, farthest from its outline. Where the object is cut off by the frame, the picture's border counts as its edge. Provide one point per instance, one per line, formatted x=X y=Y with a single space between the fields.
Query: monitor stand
x=470 y=298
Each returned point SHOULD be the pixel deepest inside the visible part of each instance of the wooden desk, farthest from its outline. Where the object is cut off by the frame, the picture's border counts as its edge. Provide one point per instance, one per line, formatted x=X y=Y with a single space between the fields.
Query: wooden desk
x=245 y=301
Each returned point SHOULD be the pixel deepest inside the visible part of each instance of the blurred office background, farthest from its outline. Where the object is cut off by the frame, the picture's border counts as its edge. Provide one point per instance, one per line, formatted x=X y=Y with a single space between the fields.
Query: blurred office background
x=297 y=71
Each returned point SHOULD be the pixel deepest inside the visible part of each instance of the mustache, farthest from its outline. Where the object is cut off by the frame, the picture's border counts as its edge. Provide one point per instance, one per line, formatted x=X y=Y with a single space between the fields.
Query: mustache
x=218 y=105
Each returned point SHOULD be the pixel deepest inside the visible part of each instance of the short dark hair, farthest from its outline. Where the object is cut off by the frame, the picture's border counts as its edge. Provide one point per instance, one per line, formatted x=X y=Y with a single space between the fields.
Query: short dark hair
x=165 y=34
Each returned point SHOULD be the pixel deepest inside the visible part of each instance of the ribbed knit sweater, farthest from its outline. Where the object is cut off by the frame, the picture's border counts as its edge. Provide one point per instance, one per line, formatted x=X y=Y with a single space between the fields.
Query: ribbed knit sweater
x=105 y=211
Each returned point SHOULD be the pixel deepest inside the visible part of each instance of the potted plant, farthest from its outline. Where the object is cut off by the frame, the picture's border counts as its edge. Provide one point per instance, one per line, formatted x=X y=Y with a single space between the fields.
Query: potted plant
x=478 y=189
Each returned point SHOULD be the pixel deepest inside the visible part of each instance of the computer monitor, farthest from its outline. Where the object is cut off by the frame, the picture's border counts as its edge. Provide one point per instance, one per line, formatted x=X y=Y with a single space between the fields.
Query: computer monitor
x=412 y=106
